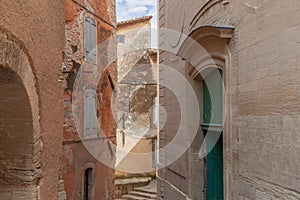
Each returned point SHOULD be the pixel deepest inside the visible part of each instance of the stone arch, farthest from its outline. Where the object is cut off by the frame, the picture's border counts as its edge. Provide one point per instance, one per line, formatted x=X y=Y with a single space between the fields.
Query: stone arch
x=20 y=137
x=205 y=65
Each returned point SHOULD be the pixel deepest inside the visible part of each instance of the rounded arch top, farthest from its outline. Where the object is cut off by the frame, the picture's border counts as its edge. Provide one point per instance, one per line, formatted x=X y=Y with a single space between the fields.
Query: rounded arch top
x=90 y=19
x=205 y=65
x=201 y=34
x=89 y=165
x=206 y=46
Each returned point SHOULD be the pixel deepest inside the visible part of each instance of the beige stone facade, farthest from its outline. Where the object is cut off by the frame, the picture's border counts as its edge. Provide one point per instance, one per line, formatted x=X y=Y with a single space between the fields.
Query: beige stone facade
x=256 y=45
x=137 y=89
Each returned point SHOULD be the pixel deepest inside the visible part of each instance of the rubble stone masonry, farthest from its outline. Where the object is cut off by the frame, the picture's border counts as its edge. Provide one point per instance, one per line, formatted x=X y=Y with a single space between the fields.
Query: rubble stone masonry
x=76 y=156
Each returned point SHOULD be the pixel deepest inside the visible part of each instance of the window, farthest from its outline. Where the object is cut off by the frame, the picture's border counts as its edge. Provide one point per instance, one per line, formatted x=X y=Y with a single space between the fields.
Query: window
x=111 y=82
x=121 y=39
x=90 y=40
x=155 y=111
x=90 y=114
x=88 y=184
x=154 y=153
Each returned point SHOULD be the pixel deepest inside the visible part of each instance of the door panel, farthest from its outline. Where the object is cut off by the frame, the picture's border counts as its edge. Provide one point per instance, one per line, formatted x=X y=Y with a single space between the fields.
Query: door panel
x=215 y=172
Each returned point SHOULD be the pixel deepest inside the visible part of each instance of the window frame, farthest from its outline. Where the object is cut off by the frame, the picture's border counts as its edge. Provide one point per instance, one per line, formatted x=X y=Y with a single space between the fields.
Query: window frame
x=85 y=168
x=155 y=112
x=121 y=39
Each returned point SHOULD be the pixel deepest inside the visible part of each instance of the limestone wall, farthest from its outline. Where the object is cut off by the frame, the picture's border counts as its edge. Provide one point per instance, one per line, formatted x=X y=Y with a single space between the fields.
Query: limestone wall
x=136 y=90
x=261 y=77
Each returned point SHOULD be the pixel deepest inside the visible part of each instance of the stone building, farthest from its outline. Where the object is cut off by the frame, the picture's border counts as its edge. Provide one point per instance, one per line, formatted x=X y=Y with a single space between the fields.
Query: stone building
x=243 y=59
x=89 y=77
x=31 y=102
x=137 y=91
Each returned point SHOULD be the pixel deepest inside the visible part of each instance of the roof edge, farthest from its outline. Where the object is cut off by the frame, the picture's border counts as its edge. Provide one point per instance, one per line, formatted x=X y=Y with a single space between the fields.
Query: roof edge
x=134 y=20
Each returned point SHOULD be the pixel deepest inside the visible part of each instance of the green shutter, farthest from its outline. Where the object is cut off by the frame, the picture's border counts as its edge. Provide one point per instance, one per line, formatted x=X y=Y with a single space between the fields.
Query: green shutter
x=212 y=98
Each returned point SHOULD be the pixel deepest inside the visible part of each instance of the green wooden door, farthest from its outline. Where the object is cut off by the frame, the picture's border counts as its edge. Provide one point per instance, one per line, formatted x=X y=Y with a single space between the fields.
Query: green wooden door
x=214 y=168
x=213 y=118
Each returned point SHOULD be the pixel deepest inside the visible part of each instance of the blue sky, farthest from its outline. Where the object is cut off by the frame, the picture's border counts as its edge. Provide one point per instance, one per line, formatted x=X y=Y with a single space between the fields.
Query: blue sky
x=129 y=9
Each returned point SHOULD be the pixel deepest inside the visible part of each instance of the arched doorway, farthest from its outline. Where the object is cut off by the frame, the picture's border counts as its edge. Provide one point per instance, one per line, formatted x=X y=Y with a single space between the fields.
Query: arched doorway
x=207 y=51
x=212 y=127
x=208 y=143
x=17 y=162
x=20 y=140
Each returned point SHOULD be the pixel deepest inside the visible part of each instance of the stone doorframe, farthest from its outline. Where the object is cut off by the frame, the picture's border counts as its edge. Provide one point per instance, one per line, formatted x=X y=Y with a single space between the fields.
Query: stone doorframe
x=15 y=57
x=89 y=165
x=214 y=51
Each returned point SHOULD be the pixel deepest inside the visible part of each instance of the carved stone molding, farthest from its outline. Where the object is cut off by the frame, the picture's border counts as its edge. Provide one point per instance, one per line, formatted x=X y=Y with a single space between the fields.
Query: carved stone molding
x=206 y=6
x=198 y=33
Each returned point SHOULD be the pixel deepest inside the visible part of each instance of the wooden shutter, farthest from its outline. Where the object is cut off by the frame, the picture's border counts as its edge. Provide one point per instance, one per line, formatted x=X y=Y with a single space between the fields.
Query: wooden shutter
x=155 y=111
x=90 y=117
x=87 y=36
x=90 y=40
x=154 y=153
x=93 y=42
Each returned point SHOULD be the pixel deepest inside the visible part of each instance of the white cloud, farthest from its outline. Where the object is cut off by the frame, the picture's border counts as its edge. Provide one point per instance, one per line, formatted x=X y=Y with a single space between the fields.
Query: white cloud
x=120 y=1
x=138 y=10
x=133 y=3
x=130 y=9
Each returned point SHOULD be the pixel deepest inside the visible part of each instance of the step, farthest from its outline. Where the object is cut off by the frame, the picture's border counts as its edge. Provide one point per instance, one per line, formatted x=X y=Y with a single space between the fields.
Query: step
x=133 y=181
x=140 y=189
x=142 y=194
x=123 y=186
x=133 y=197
